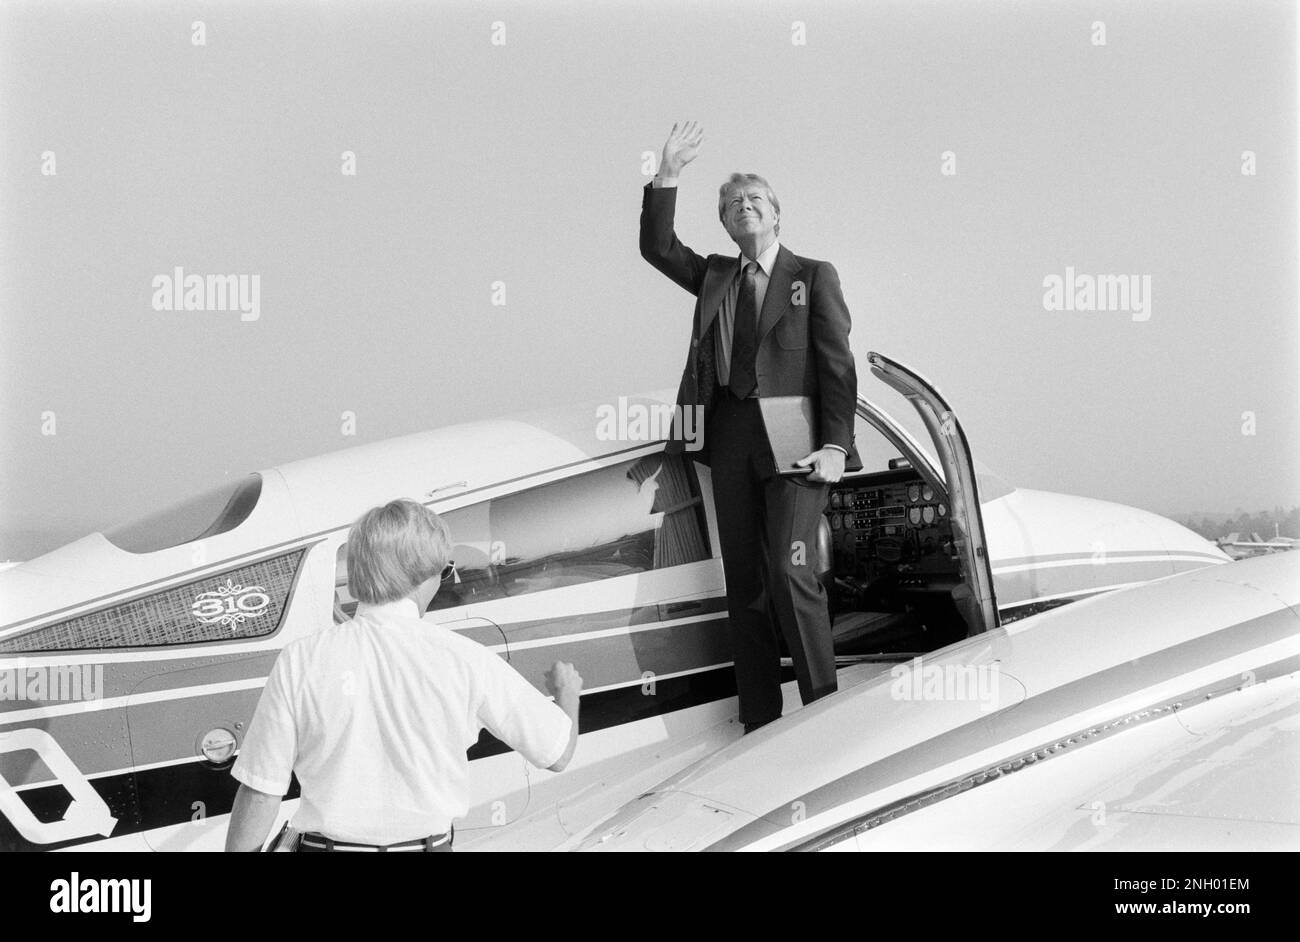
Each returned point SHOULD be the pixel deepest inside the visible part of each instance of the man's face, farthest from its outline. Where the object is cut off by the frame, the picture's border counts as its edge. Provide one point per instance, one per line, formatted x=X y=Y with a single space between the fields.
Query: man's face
x=748 y=213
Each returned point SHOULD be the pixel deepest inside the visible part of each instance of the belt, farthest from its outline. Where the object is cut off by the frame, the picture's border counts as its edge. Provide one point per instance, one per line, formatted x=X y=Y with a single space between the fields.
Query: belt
x=419 y=845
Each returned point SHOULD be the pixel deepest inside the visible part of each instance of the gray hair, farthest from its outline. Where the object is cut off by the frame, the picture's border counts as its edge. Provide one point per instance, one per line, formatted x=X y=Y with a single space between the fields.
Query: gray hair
x=742 y=180
x=394 y=548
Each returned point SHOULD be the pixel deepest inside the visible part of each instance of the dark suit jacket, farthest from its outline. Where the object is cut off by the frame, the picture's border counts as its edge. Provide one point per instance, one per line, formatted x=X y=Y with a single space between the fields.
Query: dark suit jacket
x=803 y=348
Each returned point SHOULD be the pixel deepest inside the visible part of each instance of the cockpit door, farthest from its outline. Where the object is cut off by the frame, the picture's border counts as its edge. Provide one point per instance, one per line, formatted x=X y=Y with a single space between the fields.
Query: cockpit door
x=975 y=599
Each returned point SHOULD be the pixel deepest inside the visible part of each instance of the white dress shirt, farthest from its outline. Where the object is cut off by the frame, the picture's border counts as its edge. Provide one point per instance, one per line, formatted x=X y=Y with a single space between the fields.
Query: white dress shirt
x=727 y=312
x=374 y=717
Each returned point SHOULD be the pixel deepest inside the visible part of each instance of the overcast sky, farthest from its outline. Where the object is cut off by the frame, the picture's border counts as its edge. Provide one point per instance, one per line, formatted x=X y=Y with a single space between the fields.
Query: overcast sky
x=522 y=162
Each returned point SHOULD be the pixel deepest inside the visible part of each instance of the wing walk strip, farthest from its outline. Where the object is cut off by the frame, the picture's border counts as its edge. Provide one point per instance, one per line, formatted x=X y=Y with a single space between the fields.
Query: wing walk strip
x=1023 y=719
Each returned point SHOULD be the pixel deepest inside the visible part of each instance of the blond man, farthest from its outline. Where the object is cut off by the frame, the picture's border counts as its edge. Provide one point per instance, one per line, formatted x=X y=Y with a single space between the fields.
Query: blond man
x=375 y=715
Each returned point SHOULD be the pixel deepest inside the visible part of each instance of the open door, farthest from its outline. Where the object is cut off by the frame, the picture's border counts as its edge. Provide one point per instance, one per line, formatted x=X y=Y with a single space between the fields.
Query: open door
x=974 y=597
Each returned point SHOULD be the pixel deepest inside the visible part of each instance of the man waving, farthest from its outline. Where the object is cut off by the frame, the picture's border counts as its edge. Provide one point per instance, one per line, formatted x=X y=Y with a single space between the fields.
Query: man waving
x=767 y=323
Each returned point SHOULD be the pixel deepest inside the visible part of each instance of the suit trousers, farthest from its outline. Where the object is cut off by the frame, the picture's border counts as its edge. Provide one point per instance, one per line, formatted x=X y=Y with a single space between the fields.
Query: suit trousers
x=767 y=525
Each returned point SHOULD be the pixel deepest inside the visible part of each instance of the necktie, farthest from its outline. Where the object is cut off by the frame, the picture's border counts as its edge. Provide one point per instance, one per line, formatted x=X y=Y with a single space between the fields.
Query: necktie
x=744 y=343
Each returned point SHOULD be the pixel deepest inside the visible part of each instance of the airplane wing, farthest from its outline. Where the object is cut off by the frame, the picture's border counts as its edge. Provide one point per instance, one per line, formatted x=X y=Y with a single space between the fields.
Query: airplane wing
x=1161 y=716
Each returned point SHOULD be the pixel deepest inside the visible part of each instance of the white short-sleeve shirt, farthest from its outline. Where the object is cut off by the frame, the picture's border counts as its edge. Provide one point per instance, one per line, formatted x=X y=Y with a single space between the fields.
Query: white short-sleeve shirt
x=374 y=717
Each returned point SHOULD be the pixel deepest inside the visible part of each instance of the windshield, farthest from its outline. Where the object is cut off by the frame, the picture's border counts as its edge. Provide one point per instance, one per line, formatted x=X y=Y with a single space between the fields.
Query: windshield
x=215 y=511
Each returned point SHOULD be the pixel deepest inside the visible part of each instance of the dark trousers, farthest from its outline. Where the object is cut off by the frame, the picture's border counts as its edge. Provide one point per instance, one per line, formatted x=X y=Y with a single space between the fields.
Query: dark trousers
x=767 y=525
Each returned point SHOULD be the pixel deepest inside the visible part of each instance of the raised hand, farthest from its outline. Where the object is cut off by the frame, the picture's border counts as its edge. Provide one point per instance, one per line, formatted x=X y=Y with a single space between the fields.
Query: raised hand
x=682 y=146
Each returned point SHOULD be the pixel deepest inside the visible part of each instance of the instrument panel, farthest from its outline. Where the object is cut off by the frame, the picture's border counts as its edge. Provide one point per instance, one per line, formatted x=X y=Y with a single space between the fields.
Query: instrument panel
x=894 y=521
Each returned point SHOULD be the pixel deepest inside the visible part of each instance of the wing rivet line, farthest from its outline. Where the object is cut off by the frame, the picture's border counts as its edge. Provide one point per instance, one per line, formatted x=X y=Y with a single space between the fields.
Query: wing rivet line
x=997 y=770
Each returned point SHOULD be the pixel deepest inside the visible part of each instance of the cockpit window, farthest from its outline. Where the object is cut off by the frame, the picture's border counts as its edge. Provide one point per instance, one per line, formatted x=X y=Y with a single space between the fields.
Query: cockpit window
x=215 y=511
x=632 y=517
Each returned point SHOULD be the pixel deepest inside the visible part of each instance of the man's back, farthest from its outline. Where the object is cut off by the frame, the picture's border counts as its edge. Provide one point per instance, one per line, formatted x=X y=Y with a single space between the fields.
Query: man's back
x=381 y=710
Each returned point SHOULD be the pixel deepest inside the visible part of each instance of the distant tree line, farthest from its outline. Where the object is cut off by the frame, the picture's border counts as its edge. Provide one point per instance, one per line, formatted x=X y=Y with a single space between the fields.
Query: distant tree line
x=1288 y=524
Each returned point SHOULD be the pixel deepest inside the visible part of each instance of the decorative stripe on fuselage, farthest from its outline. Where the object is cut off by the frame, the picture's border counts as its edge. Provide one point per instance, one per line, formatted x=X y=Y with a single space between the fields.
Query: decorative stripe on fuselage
x=1021 y=585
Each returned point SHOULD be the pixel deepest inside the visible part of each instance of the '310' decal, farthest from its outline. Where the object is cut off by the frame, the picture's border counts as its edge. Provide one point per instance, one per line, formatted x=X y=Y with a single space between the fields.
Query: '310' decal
x=230 y=605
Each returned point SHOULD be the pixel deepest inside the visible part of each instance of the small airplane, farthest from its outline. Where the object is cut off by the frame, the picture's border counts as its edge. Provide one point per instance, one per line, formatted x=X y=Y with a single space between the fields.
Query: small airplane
x=1236 y=547
x=131 y=661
